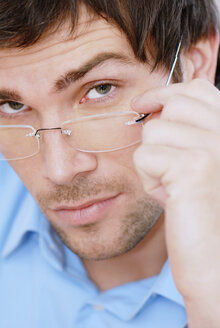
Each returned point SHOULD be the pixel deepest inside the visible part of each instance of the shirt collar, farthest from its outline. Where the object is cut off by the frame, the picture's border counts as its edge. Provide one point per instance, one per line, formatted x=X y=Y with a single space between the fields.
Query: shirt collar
x=29 y=219
x=20 y=215
x=165 y=286
x=120 y=302
x=26 y=219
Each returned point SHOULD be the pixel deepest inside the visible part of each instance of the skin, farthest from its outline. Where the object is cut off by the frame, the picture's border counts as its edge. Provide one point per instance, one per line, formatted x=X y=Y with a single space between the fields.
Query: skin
x=182 y=173
x=58 y=174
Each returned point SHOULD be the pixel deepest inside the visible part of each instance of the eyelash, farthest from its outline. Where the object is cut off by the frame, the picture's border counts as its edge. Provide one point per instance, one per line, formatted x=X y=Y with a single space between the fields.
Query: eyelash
x=11 y=115
x=103 y=99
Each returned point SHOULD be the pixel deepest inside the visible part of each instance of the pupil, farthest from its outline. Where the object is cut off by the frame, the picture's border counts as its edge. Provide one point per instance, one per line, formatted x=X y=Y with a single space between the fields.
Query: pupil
x=104 y=88
x=15 y=105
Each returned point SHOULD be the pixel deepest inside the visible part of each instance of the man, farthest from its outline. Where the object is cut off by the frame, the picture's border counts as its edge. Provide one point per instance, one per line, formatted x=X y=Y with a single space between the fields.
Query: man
x=74 y=76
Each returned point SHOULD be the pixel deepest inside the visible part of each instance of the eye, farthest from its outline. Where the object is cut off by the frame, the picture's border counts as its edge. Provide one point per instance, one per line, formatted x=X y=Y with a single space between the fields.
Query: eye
x=12 y=107
x=100 y=91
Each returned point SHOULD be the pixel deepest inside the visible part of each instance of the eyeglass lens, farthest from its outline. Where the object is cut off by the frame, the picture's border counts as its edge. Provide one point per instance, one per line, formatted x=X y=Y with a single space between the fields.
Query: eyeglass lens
x=93 y=134
x=14 y=143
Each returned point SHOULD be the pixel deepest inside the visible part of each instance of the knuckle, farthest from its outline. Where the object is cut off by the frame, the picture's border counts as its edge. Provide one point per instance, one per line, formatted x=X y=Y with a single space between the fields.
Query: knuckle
x=170 y=110
x=150 y=130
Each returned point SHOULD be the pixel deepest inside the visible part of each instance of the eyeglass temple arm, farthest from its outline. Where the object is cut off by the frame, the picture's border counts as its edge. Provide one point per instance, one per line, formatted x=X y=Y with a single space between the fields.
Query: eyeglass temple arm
x=174 y=63
x=143 y=116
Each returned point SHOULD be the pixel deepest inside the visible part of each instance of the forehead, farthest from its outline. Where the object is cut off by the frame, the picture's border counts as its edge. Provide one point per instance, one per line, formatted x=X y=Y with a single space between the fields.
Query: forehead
x=91 y=35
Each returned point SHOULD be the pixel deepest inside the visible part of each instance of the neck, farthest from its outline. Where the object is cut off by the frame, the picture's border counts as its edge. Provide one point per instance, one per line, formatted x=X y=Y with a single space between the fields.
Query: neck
x=143 y=261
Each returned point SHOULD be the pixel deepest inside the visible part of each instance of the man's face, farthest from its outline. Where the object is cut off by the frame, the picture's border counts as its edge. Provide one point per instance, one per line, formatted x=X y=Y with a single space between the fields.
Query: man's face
x=95 y=201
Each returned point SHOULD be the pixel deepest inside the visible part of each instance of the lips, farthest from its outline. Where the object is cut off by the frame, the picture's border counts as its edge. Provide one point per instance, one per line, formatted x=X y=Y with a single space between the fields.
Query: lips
x=88 y=212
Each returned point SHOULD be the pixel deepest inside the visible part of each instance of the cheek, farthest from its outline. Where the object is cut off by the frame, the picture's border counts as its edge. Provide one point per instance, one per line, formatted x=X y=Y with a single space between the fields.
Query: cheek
x=29 y=173
x=116 y=165
x=123 y=164
x=120 y=163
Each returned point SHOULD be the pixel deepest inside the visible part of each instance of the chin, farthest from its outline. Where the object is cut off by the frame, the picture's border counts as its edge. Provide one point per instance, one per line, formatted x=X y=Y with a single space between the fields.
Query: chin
x=98 y=244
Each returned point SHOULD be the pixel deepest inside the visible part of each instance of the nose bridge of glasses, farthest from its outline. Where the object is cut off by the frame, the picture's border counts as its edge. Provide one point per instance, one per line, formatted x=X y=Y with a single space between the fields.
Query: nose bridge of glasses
x=37 y=132
x=47 y=141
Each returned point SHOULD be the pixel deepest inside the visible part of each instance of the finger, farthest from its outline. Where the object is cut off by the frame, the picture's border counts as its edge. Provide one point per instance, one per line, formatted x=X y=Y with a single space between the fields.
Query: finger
x=155 y=99
x=152 y=185
x=156 y=161
x=177 y=169
x=154 y=188
x=193 y=112
x=178 y=135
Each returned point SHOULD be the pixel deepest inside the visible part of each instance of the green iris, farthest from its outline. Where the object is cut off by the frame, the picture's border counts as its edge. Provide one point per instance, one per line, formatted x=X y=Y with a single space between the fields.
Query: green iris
x=103 y=88
x=15 y=105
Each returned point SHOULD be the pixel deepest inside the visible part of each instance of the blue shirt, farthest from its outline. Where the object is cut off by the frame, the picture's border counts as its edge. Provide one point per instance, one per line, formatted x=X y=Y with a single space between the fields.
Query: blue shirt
x=44 y=285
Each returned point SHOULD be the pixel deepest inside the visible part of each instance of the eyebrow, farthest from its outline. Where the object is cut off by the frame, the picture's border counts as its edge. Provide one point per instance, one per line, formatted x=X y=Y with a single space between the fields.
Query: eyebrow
x=74 y=75
x=63 y=82
x=6 y=94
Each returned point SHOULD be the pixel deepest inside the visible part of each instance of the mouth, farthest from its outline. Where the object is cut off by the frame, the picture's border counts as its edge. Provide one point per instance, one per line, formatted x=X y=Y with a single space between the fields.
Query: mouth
x=85 y=213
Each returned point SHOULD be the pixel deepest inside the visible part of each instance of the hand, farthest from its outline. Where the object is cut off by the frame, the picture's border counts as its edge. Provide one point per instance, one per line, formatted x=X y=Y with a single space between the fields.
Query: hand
x=179 y=163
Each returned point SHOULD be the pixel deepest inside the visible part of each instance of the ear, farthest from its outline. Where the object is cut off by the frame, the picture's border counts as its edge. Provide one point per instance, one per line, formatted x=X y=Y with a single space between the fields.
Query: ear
x=201 y=59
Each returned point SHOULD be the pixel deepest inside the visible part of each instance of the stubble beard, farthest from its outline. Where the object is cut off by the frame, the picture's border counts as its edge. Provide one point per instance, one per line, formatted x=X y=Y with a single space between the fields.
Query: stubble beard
x=111 y=238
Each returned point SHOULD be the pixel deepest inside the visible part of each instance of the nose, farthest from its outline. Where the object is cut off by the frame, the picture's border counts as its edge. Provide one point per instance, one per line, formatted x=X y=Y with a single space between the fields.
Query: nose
x=62 y=163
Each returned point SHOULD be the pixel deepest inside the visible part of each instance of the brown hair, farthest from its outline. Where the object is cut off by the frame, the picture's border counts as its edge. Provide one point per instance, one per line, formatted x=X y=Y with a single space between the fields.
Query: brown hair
x=24 y=22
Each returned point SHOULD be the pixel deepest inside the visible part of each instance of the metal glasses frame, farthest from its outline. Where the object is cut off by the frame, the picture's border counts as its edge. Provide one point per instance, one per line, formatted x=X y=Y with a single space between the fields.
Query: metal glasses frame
x=139 y=119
